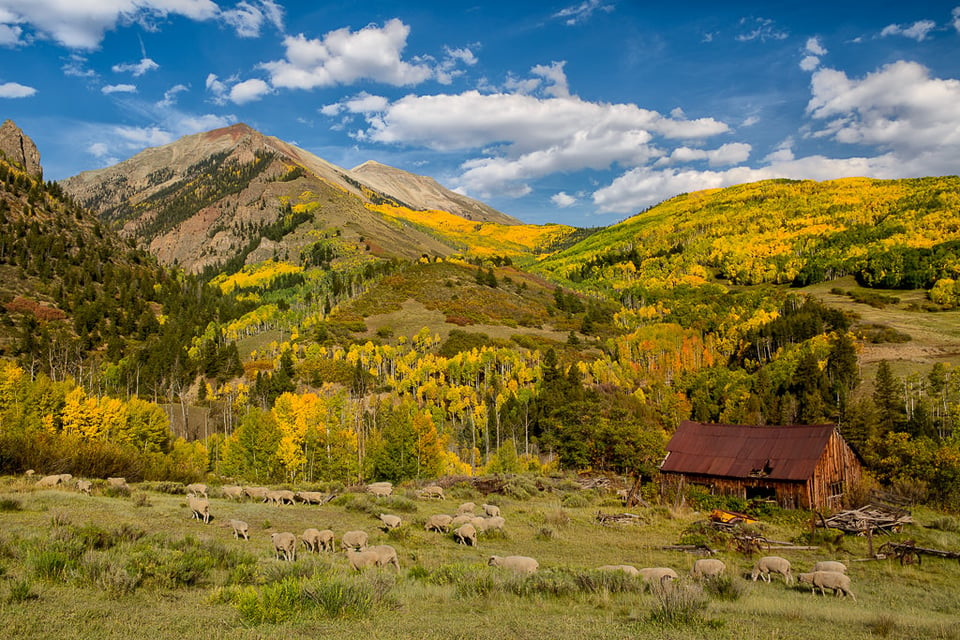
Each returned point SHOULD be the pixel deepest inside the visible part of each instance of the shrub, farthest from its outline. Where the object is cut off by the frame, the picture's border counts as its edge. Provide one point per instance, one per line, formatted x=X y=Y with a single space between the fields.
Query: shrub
x=50 y=564
x=10 y=504
x=724 y=587
x=577 y=500
x=683 y=603
x=109 y=576
x=21 y=591
x=280 y=601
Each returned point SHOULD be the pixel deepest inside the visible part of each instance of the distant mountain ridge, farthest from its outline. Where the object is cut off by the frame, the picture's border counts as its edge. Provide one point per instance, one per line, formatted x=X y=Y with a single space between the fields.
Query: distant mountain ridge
x=204 y=198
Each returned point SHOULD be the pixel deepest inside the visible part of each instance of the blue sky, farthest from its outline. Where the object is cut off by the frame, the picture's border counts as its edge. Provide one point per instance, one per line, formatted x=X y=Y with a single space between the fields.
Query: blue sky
x=575 y=112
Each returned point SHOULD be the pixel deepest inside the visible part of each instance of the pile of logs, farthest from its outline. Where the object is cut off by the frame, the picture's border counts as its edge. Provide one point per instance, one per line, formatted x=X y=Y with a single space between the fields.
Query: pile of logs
x=869 y=519
x=608 y=519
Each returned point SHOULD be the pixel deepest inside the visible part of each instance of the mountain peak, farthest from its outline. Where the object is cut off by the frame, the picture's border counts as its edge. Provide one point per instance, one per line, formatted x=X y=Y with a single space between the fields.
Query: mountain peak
x=20 y=149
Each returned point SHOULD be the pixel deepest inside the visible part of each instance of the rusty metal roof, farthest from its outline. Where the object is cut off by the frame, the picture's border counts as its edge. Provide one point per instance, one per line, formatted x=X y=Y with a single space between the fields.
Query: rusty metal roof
x=739 y=451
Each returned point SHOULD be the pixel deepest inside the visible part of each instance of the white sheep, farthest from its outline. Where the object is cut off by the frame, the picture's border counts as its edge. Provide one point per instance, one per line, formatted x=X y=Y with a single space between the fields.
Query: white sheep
x=772 y=564
x=279 y=497
x=658 y=577
x=311 y=539
x=354 y=540
x=439 y=522
x=480 y=524
x=65 y=478
x=520 y=564
x=380 y=489
x=240 y=528
x=464 y=518
x=233 y=492
x=255 y=493
x=830 y=565
x=390 y=521
x=360 y=560
x=386 y=555
x=326 y=540
x=823 y=580
x=311 y=497
x=466 y=509
x=118 y=483
x=197 y=489
x=707 y=568
x=466 y=534
x=432 y=491
x=491 y=510
x=494 y=523
x=284 y=545
x=200 y=508
x=84 y=486
x=628 y=569
x=49 y=481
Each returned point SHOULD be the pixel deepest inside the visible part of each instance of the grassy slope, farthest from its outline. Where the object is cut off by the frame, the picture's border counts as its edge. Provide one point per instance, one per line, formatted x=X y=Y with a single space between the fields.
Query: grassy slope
x=899 y=601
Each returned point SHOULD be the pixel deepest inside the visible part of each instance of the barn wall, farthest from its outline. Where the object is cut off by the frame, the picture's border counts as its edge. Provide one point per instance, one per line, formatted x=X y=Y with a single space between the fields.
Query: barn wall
x=836 y=473
x=789 y=495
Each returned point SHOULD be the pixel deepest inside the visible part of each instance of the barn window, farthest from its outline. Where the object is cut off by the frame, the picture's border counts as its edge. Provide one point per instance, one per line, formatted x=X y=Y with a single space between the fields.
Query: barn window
x=835 y=489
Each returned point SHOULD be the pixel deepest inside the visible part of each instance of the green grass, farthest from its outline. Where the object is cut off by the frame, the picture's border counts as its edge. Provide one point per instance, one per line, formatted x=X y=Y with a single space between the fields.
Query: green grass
x=95 y=566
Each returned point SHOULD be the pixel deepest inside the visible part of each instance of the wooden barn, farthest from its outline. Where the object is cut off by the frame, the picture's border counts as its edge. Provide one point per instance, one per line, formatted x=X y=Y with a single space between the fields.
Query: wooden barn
x=799 y=466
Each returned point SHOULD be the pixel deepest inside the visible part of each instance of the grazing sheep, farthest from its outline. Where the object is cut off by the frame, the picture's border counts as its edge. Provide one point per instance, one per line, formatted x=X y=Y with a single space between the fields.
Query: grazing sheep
x=772 y=564
x=49 y=481
x=326 y=540
x=389 y=521
x=118 y=483
x=439 y=523
x=491 y=510
x=29 y=473
x=466 y=534
x=707 y=568
x=480 y=524
x=493 y=523
x=354 y=540
x=655 y=577
x=823 y=580
x=279 y=497
x=311 y=539
x=386 y=555
x=240 y=528
x=312 y=497
x=284 y=546
x=380 y=489
x=360 y=560
x=628 y=569
x=461 y=519
x=197 y=489
x=84 y=486
x=65 y=478
x=830 y=565
x=200 y=507
x=233 y=492
x=466 y=509
x=520 y=564
x=255 y=493
x=432 y=491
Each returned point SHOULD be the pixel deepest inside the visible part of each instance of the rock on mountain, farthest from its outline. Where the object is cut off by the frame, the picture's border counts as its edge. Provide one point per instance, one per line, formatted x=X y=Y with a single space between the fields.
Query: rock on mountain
x=212 y=197
x=20 y=149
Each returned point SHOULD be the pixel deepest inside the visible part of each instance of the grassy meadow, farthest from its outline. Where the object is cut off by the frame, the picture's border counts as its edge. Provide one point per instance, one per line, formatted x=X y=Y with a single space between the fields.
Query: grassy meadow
x=118 y=565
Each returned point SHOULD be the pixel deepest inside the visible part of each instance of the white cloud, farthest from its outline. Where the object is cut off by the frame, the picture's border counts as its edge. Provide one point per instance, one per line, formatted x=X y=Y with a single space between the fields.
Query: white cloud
x=553 y=73
x=955 y=15
x=749 y=121
x=76 y=65
x=185 y=125
x=563 y=200
x=248 y=91
x=136 y=68
x=447 y=70
x=728 y=154
x=575 y=14
x=170 y=95
x=761 y=29
x=118 y=88
x=815 y=47
x=248 y=18
x=917 y=31
x=363 y=102
x=80 y=24
x=141 y=137
x=343 y=57
x=16 y=90
x=809 y=63
x=98 y=149
x=10 y=35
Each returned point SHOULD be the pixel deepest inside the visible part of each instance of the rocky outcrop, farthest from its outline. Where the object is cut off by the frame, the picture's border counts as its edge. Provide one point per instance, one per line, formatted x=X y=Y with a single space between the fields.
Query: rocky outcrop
x=20 y=149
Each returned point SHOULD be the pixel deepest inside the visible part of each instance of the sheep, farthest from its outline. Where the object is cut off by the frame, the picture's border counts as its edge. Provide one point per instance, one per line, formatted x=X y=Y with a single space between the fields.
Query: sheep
x=240 y=528
x=830 y=565
x=84 y=486
x=461 y=519
x=117 y=483
x=708 y=568
x=389 y=521
x=49 y=481
x=200 y=508
x=386 y=555
x=233 y=492
x=655 y=577
x=284 y=546
x=772 y=564
x=312 y=497
x=823 y=580
x=466 y=534
x=491 y=510
x=432 y=491
x=520 y=564
x=197 y=489
x=439 y=523
x=311 y=539
x=256 y=493
x=466 y=509
x=480 y=524
x=29 y=473
x=65 y=478
x=380 y=489
x=326 y=540
x=628 y=569
x=354 y=540
x=279 y=497
x=494 y=523
x=360 y=560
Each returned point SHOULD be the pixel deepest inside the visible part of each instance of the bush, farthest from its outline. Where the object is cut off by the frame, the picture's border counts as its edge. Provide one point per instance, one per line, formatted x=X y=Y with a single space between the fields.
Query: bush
x=10 y=504
x=682 y=603
x=724 y=587
x=21 y=591
x=109 y=576
x=280 y=601
x=51 y=564
x=578 y=500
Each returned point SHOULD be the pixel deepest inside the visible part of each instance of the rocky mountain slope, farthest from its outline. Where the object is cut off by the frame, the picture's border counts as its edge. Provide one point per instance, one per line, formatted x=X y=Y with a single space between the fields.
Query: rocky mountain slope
x=203 y=200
